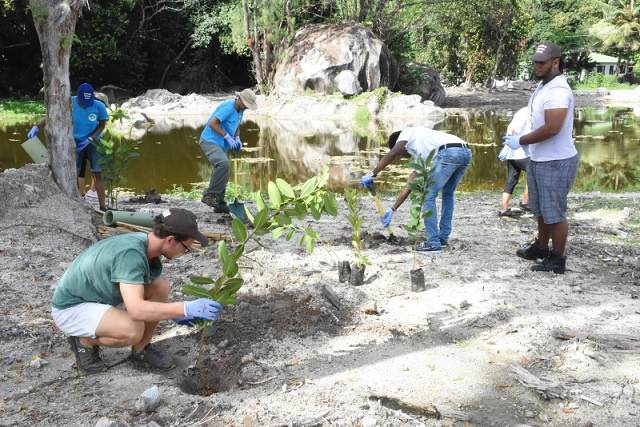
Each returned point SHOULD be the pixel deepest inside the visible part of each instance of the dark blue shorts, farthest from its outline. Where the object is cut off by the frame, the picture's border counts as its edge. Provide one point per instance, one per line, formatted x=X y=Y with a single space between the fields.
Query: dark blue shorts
x=90 y=152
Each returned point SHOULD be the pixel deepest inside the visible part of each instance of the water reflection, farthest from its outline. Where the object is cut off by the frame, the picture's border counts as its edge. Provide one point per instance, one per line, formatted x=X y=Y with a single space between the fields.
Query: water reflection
x=608 y=143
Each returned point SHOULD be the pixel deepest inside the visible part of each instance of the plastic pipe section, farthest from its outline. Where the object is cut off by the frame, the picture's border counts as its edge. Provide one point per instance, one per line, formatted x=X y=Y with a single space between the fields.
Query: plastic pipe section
x=142 y=219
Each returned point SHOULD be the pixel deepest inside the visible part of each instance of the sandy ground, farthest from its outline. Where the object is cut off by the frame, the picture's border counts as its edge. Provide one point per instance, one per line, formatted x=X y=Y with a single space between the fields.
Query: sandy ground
x=286 y=356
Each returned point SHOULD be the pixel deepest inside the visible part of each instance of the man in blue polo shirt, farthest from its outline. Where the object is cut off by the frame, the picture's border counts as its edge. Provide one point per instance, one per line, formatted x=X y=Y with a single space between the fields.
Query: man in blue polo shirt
x=89 y=120
x=222 y=133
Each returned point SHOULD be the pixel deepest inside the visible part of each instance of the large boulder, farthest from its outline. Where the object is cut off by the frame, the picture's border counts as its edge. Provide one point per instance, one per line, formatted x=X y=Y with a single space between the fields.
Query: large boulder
x=115 y=94
x=420 y=79
x=348 y=59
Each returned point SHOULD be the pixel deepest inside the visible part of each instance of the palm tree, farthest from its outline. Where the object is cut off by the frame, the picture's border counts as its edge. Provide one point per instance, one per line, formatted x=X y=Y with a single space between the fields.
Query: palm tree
x=619 y=28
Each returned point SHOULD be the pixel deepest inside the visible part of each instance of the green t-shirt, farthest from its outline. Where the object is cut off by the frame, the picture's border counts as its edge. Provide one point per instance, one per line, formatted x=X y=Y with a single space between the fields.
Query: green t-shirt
x=96 y=273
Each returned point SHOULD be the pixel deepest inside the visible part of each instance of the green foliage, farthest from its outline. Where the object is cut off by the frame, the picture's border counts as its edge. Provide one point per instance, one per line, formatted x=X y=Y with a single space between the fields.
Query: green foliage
x=419 y=191
x=115 y=158
x=354 y=206
x=363 y=116
x=21 y=108
x=597 y=80
x=287 y=206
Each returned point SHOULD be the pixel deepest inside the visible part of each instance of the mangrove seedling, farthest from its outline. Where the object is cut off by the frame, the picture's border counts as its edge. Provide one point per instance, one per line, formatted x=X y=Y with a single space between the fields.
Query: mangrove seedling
x=281 y=216
x=419 y=191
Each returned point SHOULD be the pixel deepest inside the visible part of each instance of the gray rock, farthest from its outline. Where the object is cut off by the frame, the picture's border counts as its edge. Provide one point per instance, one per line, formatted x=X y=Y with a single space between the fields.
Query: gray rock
x=104 y=422
x=149 y=399
x=325 y=58
x=420 y=79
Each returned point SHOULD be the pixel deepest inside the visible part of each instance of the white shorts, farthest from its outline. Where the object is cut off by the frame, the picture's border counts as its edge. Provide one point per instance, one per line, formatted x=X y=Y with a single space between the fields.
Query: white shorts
x=80 y=320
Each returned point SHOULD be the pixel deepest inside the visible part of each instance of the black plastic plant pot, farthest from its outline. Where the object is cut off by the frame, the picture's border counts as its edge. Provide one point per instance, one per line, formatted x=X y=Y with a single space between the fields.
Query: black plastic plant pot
x=417 y=280
x=357 y=275
x=344 y=271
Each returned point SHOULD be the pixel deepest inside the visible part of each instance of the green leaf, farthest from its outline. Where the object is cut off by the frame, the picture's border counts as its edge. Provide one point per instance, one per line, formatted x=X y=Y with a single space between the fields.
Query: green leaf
x=230 y=267
x=239 y=230
x=285 y=189
x=223 y=252
x=200 y=280
x=415 y=166
x=330 y=204
x=195 y=291
x=261 y=218
x=233 y=285
x=282 y=219
x=274 y=195
x=260 y=204
x=277 y=232
x=290 y=234
x=302 y=211
x=308 y=187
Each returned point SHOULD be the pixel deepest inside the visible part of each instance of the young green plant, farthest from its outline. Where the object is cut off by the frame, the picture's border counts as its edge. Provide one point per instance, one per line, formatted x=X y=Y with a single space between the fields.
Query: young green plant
x=419 y=191
x=354 y=206
x=115 y=157
x=287 y=206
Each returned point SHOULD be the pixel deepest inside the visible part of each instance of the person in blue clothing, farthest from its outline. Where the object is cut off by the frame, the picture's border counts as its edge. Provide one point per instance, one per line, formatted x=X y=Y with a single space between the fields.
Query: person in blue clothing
x=453 y=157
x=89 y=120
x=222 y=133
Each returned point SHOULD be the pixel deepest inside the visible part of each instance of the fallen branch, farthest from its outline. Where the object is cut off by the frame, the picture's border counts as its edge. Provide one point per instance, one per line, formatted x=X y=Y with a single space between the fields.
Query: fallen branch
x=546 y=389
x=618 y=341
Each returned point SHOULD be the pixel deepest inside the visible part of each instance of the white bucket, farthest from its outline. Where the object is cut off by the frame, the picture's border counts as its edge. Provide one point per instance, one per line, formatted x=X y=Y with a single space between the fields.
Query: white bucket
x=36 y=150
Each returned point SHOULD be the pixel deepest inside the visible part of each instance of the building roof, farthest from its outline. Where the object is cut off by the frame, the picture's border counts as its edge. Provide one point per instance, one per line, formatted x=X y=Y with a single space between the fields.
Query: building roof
x=600 y=58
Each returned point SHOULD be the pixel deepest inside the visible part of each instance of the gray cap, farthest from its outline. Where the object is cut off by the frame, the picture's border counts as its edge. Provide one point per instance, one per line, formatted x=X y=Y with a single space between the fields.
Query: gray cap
x=182 y=221
x=545 y=51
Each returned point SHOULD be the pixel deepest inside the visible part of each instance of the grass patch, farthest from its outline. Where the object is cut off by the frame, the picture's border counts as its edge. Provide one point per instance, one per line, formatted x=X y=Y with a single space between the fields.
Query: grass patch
x=16 y=109
x=195 y=192
x=598 y=80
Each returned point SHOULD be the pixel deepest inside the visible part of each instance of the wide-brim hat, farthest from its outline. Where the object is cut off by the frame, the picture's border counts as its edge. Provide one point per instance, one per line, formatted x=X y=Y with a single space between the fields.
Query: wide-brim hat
x=248 y=98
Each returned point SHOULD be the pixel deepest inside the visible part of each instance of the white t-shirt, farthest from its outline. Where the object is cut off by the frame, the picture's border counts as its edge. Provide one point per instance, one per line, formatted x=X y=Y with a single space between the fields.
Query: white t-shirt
x=519 y=126
x=554 y=94
x=421 y=141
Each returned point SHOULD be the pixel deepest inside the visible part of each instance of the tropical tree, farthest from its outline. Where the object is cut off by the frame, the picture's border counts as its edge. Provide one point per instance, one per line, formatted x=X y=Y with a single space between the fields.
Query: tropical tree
x=55 y=22
x=619 y=29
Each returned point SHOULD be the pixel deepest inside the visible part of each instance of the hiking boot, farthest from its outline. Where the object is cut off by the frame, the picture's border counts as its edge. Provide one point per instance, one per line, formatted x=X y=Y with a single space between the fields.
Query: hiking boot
x=533 y=252
x=152 y=358
x=554 y=262
x=525 y=206
x=87 y=358
x=216 y=202
x=425 y=247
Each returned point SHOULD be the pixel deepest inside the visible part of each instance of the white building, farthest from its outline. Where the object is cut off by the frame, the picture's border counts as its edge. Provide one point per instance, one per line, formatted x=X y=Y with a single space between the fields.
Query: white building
x=607 y=64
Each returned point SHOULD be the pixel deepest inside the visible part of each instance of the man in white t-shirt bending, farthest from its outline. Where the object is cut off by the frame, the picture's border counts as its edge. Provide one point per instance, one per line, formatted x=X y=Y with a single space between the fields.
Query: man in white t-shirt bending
x=554 y=158
x=453 y=157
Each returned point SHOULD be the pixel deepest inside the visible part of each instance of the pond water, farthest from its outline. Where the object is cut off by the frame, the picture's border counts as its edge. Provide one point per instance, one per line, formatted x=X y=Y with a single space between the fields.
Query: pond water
x=608 y=142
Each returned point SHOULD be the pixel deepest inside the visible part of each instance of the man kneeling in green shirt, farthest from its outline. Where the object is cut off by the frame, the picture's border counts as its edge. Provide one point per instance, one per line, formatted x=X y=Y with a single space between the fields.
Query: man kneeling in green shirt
x=114 y=293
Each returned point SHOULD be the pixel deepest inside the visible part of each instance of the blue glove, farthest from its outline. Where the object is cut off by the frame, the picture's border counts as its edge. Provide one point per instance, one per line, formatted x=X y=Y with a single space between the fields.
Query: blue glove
x=366 y=180
x=185 y=321
x=512 y=141
x=83 y=144
x=33 y=132
x=238 y=145
x=230 y=141
x=502 y=156
x=203 y=308
x=386 y=219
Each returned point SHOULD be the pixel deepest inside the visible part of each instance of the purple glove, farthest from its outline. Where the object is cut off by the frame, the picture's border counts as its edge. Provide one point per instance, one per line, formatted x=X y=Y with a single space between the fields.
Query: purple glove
x=512 y=141
x=366 y=180
x=502 y=156
x=33 y=132
x=203 y=308
x=238 y=145
x=185 y=321
x=230 y=141
x=386 y=219
x=83 y=144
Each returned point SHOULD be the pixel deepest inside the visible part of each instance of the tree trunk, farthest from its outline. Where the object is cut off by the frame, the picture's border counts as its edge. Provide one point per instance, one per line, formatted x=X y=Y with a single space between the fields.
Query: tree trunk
x=492 y=78
x=617 y=72
x=173 y=61
x=253 y=40
x=55 y=22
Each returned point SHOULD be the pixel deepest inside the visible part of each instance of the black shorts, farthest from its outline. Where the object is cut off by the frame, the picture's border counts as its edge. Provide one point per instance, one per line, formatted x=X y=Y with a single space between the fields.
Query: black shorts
x=515 y=167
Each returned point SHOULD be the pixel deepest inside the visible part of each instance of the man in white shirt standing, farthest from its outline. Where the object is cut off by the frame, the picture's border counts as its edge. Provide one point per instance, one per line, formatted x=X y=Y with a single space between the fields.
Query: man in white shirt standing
x=554 y=158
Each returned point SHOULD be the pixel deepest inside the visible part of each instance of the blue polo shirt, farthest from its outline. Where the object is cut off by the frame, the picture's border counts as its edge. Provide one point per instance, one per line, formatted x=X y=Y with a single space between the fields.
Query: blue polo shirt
x=229 y=118
x=86 y=120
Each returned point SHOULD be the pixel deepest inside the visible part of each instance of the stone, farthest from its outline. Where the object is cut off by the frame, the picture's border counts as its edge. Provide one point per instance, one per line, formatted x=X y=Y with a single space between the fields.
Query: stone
x=347 y=59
